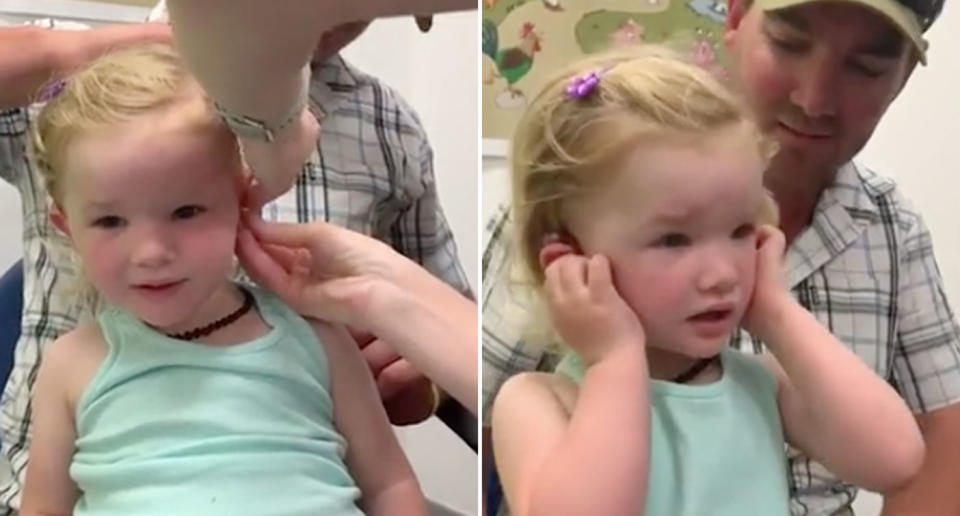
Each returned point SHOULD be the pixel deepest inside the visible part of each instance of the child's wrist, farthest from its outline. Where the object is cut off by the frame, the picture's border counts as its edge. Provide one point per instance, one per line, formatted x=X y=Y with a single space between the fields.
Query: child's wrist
x=624 y=349
x=769 y=320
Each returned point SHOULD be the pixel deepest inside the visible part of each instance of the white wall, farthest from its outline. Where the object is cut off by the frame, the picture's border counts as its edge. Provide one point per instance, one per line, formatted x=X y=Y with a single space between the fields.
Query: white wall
x=10 y=235
x=915 y=144
x=437 y=74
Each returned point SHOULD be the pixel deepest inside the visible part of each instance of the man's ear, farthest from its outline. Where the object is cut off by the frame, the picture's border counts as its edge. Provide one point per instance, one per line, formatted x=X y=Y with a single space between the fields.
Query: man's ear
x=244 y=184
x=59 y=220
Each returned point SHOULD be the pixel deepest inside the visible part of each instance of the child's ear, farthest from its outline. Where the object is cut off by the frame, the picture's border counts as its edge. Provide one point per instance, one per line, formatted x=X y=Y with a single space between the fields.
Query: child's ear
x=556 y=245
x=244 y=178
x=59 y=220
x=243 y=184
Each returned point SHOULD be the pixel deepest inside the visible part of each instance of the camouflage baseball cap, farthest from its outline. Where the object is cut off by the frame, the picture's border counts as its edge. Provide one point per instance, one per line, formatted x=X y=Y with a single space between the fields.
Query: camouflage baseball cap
x=911 y=17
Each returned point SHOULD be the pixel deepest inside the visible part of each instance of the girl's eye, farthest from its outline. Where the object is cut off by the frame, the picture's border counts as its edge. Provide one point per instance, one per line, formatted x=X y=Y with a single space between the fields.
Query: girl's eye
x=109 y=222
x=673 y=240
x=744 y=231
x=187 y=212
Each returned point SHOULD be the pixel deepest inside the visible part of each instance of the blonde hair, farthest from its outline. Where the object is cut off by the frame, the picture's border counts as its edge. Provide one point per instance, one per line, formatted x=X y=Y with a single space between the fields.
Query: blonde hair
x=112 y=90
x=561 y=143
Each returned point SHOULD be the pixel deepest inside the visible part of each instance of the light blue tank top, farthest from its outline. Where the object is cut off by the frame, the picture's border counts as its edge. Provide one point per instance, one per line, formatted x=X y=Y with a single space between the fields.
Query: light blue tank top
x=168 y=427
x=715 y=449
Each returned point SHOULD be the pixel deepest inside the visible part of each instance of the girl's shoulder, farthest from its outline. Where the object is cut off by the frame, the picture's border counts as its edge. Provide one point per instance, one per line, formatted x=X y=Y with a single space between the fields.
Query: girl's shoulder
x=76 y=344
x=75 y=358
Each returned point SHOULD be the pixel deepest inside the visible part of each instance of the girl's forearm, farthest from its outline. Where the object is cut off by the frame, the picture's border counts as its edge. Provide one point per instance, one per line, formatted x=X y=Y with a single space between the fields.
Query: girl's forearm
x=863 y=430
x=601 y=464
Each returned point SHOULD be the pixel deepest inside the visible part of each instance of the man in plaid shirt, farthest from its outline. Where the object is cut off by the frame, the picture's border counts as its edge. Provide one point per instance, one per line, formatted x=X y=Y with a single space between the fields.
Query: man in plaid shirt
x=819 y=76
x=372 y=172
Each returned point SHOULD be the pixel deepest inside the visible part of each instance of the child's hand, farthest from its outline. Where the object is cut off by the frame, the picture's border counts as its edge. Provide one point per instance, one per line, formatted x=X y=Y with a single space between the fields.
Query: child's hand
x=586 y=308
x=770 y=290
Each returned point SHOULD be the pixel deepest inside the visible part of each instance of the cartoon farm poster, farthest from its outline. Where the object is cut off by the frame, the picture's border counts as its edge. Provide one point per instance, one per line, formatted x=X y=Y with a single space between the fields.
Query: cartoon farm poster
x=524 y=41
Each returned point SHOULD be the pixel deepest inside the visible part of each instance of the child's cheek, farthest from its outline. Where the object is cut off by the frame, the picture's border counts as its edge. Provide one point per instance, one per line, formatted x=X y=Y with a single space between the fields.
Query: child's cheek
x=102 y=262
x=213 y=245
x=638 y=282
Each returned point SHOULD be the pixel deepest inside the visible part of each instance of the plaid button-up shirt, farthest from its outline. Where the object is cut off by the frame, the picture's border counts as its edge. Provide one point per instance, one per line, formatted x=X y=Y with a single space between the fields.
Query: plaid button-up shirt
x=864 y=267
x=372 y=172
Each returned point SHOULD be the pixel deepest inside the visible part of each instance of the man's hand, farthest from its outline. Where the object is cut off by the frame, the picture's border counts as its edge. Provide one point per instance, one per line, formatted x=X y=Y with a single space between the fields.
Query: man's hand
x=933 y=491
x=407 y=395
x=32 y=56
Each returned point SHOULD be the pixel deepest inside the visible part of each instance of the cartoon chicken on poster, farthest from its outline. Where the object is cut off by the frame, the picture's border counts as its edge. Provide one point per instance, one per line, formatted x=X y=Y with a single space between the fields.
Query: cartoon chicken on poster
x=511 y=63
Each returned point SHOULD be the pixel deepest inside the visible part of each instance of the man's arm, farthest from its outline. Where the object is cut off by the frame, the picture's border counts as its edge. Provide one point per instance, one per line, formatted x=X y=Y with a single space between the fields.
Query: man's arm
x=33 y=56
x=933 y=492
x=927 y=374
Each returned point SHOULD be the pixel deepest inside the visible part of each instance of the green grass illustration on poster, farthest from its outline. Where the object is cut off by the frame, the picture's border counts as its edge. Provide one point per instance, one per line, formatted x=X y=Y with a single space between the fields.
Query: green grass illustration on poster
x=524 y=41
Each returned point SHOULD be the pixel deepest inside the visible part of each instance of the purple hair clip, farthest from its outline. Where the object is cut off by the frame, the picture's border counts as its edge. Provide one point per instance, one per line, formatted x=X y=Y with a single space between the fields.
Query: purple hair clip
x=582 y=86
x=51 y=90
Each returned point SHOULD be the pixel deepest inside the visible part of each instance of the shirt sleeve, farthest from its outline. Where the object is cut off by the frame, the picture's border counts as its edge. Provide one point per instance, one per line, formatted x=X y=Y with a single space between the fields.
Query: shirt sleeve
x=13 y=144
x=505 y=351
x=421 y=231
x=926 y=362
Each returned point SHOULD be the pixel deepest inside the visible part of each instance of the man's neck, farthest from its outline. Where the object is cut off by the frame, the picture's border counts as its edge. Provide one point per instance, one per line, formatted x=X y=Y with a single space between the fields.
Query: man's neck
x=796 y=190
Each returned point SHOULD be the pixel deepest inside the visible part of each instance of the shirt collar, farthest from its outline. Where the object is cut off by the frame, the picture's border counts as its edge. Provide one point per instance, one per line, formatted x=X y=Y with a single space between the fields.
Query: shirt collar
x=843 y=211
x=331 y=82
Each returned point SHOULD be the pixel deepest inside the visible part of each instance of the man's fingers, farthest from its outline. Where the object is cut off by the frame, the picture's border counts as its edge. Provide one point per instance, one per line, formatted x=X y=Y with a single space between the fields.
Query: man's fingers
x=411 y=404
x=396 y=377
x=362 y=337
x=379 y=355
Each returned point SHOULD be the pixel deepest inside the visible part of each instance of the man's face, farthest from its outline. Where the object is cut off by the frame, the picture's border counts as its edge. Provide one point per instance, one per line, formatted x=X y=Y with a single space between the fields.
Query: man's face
x=818 y=76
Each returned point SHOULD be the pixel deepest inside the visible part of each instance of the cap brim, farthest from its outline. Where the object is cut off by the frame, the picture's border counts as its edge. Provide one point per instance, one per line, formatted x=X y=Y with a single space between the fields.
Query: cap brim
x=901 y=17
